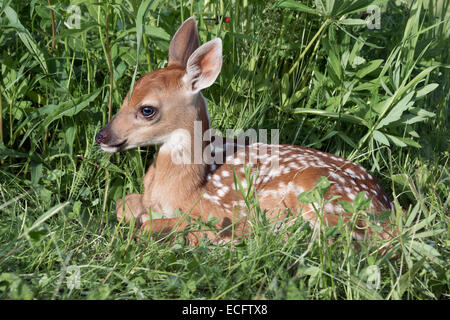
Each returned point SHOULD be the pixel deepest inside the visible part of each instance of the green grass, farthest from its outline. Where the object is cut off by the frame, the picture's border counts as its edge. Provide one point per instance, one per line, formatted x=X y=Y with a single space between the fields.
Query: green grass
x=377 y=97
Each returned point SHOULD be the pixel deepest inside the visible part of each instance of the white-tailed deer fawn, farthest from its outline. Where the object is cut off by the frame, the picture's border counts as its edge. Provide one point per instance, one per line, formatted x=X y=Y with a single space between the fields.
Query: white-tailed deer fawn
x=163 y=109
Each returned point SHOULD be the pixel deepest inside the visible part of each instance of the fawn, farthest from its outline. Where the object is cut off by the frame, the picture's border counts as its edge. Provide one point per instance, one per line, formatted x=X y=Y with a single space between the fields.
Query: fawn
x=164 y=106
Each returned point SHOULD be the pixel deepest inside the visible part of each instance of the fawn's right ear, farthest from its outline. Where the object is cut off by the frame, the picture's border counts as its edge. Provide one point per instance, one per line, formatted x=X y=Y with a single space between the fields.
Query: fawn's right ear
x=184 y=43
x=204 y=65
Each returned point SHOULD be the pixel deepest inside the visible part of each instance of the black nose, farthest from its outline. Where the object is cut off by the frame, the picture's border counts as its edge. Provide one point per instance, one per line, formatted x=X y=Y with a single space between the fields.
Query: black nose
x=100 y=138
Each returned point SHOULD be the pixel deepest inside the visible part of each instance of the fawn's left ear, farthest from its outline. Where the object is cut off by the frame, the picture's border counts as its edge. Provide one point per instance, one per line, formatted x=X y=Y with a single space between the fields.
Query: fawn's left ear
x=204 y=65
x=184 y=42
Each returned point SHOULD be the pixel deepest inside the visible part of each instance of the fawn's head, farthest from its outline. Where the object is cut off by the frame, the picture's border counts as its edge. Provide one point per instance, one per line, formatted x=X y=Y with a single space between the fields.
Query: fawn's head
x=168 y=99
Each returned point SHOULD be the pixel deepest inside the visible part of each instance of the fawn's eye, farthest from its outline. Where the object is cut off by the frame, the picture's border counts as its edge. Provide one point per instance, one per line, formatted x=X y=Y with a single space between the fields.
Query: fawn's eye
x=148 y=112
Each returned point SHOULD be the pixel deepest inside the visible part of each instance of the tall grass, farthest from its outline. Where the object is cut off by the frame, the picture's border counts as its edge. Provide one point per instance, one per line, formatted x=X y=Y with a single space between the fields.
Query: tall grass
x=312 y=69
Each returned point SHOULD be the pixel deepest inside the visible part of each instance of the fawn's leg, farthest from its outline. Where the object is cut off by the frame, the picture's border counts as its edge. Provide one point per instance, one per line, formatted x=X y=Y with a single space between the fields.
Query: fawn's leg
x=132 y=207
x=223 y=232
x=161 y=228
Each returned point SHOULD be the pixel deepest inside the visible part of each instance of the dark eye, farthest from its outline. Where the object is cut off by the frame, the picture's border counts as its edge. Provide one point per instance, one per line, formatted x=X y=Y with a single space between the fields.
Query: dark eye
x=148 y=112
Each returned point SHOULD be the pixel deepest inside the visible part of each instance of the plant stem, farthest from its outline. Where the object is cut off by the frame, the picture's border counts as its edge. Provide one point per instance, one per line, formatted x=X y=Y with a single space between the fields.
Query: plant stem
x=318 y=33
x=52 y=17
x=1 y=116
x=111 y=73
x=147 y=52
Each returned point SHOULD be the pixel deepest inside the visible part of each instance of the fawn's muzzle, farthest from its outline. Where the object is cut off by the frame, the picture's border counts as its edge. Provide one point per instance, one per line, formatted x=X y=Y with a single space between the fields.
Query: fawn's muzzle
x=100 y=137
x=108 y=141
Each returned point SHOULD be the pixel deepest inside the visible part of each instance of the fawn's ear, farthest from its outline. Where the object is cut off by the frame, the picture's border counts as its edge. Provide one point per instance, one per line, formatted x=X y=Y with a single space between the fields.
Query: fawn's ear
x=204 y=65
x=184 y=42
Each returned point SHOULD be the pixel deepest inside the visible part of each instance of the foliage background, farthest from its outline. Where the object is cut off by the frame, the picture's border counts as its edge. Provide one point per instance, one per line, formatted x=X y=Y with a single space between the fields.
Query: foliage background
x=312 y=69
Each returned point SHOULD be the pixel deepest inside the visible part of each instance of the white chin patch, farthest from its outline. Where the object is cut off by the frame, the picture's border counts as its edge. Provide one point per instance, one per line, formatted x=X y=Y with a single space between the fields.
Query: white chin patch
x=108 y=149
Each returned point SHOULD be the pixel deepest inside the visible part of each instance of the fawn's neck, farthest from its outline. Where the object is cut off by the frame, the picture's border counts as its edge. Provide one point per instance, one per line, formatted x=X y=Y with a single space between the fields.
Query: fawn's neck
x=179 y=170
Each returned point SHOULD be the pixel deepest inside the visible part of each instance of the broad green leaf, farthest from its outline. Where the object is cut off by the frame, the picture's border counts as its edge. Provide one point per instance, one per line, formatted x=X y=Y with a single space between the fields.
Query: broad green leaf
x=157 y=32
x=350 y=6
x=353 y=22
x=418 y=115
x=413 y=214
x=426 y=90
x=411 y=119
x=347 y=139
x=295 y=5
x=361 y=203
x=422 y=112
x=413 y=133
x=330 y=6
x=313 y=272
x=16 y=288
x=329 y=135
x=297 y=96
x=320 y=7
x=36 y=172
x=335 y=64
x=26 y=37
x=405 y=279
x=424 y=249
x=380 y=137
x=396 y=141
x=368 y=85
x=322 y=186
x=70 y=108
x=344 y=59
x=354 y=53
x=423 y=223
x=410 y=142
x=329 y=114
x=347 y=206
x=430 y=233
x=385 y=87
x=307 y=197
x=416 y=79
x=370 y=67
x=397 y=110
x=9 y=153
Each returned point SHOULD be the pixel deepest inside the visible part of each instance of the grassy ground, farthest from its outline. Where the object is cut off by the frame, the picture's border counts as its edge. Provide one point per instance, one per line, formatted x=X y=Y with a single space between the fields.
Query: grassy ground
x=315 y=71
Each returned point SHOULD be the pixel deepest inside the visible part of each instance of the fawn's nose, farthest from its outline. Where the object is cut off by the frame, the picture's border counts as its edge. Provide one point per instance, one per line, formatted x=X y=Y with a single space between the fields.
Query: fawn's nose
x=100 y=137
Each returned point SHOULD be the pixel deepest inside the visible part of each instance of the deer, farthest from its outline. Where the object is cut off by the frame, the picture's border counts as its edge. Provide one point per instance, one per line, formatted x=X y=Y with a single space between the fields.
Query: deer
x=166 y=108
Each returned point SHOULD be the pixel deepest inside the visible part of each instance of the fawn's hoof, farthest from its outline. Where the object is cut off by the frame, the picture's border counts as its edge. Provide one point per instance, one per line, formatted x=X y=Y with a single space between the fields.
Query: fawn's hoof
x=131 y=208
